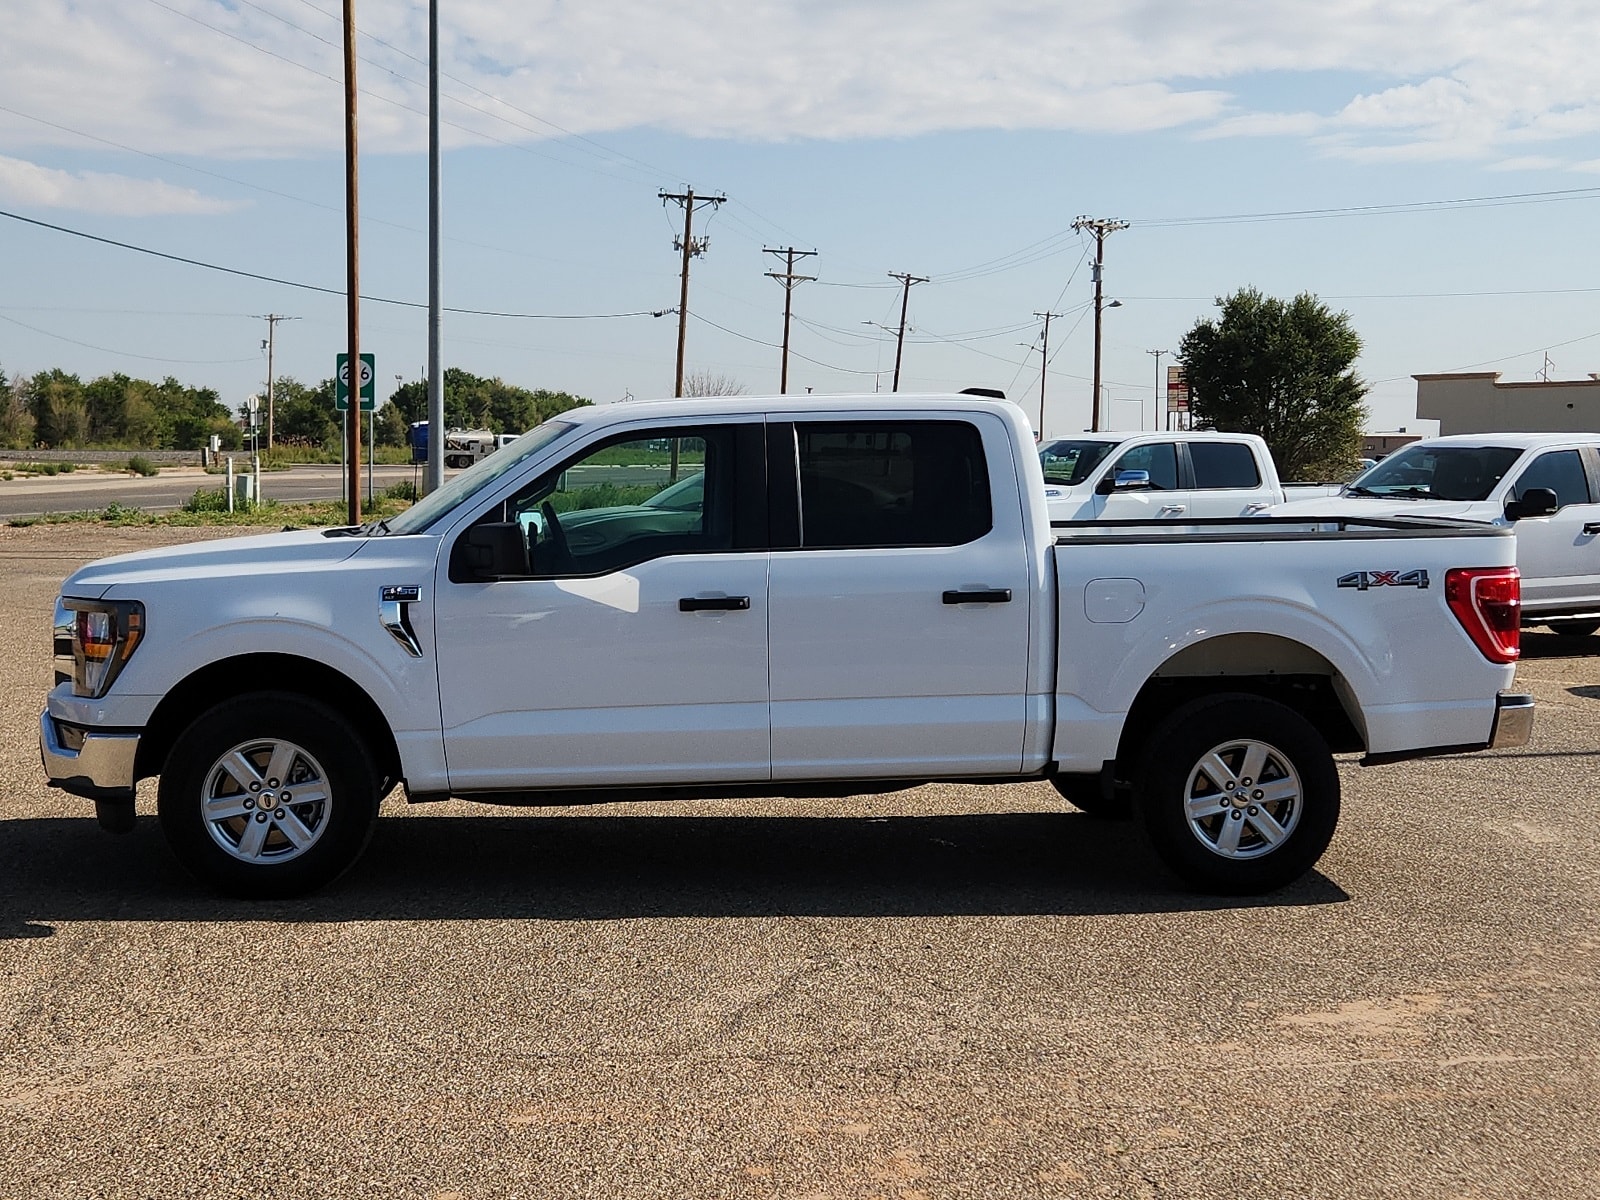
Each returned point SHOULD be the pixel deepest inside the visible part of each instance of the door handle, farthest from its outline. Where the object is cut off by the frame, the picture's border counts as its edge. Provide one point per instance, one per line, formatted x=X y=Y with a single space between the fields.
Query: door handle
x=1172 y=508
x=1592 y=527
x=713 y=603
x=979 y=596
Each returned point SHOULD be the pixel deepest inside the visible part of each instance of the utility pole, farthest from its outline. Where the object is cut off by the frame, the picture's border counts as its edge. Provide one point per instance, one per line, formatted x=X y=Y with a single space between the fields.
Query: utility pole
x=789 y=280
x=691 y=249
x=1101 y=227
x=352 y=266
x=1044 y=366
x=905 y=299
x=1157 y=423
x=272 y=320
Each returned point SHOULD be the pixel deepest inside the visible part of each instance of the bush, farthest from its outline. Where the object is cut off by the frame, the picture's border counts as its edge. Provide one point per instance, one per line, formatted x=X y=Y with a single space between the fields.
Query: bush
x=404 y=490
x=208 y=500
x=140 y=465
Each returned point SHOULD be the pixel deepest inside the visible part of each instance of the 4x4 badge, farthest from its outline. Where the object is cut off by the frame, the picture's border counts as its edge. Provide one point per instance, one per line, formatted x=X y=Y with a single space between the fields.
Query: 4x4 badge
x=1362 y=580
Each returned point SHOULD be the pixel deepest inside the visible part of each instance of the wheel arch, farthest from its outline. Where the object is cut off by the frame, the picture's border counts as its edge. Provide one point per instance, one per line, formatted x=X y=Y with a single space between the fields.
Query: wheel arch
x=1258 y=664
x=243 y=674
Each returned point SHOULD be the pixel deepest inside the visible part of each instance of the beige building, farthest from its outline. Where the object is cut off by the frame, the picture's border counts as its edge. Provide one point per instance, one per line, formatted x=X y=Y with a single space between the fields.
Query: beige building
x=1479 y=403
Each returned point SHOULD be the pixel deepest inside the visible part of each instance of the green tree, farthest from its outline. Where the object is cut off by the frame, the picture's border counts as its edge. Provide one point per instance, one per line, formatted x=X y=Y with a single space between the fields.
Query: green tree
x=1281 y=369
x=16 y=420
x=472 y=401
x=60 y=410
x=304 y=415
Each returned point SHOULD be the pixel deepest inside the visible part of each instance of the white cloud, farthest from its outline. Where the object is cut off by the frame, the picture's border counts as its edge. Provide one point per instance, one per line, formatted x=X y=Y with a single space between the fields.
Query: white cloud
x=28 y=183
x=1528 y=162
x=1445 y=78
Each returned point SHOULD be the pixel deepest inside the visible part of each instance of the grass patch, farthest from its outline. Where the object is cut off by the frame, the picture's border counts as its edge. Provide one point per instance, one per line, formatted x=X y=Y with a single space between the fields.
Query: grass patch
x=269 y=513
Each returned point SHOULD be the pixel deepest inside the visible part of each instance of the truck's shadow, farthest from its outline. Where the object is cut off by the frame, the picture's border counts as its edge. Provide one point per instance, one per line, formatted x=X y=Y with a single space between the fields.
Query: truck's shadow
x=1550 y=645
x=596 y=867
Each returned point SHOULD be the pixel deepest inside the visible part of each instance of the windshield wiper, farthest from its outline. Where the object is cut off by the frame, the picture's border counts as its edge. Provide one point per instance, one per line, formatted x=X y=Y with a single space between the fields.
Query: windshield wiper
x=1360 y=491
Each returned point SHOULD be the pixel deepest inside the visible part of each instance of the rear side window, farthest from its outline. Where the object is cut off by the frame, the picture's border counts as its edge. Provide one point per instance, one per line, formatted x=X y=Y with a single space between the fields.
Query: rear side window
x=892 y=483
x=1159 y=459
x=1562 y=472
x=1223 y=465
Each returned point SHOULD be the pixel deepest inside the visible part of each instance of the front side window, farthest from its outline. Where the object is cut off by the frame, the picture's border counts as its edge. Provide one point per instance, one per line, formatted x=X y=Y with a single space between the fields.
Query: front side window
x=1559 y=470
x=1222 y=465
x=625 y=502
x=1158 y=459
x=892 y=483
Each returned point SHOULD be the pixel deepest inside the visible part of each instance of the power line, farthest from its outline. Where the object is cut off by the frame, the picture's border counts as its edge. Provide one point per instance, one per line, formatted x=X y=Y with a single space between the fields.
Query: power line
x=326 y=291
x=1306 y=214
x=773 y=346
x=205 y=362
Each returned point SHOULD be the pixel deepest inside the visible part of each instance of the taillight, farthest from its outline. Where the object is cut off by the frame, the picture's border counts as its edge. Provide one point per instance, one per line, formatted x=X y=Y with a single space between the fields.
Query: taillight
x=1488 y=603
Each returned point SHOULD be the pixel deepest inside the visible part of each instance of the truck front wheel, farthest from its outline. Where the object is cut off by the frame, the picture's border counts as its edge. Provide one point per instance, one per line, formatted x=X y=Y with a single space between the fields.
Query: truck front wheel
x=267 y=795
x=1242 y=795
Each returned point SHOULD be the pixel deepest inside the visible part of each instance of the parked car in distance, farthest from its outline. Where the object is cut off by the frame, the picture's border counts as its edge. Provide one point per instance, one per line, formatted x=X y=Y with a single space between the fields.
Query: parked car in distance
x=1545 y=484
x=1133 y=476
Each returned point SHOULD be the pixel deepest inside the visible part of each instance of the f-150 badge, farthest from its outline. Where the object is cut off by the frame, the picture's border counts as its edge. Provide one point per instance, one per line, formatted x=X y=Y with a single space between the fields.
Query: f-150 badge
x=1362 y=580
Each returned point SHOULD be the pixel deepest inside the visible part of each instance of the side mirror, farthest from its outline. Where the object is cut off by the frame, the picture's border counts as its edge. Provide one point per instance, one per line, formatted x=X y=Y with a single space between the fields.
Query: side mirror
x=1127 y=481
x=495 y=550
x=1535 y=502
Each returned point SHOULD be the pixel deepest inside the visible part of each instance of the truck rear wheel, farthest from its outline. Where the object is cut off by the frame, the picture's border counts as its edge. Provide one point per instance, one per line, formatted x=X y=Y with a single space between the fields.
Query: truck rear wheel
x=1573 y=629
x=1243 y=794
x=267 y=795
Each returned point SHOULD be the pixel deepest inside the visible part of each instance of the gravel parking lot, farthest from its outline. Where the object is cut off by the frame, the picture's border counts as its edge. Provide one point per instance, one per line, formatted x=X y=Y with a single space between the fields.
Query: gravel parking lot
x=946 y=992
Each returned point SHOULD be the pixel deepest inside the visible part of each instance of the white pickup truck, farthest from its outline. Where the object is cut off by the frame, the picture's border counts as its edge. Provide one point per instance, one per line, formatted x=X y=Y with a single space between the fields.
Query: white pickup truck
x=833 y=597
x=1545 y=485
x=1131 y=476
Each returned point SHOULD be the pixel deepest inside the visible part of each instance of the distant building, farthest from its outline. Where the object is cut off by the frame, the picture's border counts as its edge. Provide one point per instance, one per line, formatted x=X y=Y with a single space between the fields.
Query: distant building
x=1478 y=402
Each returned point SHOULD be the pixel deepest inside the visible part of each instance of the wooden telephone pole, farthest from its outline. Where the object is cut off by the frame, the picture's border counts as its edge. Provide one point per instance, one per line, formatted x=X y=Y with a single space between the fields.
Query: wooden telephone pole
x=691 y=249
x=1101 y=227
x=790 y=281
x=905 y=300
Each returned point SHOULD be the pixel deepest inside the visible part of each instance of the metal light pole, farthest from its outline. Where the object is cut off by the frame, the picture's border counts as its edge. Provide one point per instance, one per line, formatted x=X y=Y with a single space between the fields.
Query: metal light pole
x=1156 y=424
x=435 y=478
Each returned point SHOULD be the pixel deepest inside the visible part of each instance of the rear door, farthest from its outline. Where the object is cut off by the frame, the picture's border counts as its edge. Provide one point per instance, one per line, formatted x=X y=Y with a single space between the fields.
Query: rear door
x=898 y=597
x=1225 y=480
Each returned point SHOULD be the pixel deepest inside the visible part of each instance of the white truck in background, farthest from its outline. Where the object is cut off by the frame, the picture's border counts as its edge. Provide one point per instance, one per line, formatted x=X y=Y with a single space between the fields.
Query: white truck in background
x=831 y=597
x=464 y=447
x=1171 y=475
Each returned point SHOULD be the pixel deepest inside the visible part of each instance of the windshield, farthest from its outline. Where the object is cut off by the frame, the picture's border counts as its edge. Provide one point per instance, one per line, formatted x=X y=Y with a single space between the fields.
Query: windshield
x=1424 y=472
x=1070 y=462
x=476 y=478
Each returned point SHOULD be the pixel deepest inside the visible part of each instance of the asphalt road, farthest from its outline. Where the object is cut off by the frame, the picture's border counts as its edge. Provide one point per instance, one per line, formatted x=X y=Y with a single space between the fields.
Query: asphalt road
x=171 y=488
x=950 y=992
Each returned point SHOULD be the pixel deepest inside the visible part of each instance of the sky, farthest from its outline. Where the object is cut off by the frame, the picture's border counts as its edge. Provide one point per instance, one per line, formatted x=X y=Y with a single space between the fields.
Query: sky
x=1430 y=167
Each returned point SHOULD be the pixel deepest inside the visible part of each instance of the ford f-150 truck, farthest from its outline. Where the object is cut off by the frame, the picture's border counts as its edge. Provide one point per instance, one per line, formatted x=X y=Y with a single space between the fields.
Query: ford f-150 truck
x=1173 y=475
x=765 y=597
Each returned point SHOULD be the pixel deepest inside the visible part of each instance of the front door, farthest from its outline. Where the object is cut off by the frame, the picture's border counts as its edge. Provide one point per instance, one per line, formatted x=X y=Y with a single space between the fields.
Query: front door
x=630 y=647
x=1559 y=555
x=900 y=612
x=1161 y=497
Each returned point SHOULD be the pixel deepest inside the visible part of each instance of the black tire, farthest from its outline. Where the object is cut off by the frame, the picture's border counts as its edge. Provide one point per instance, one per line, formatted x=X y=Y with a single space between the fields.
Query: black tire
x=1573 y=629
x=1263 y=832
x=1083 y=792
x=322 y=811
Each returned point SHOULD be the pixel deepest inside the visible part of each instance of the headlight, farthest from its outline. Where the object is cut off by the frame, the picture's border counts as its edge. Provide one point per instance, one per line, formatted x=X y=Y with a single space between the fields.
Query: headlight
x=100 y=636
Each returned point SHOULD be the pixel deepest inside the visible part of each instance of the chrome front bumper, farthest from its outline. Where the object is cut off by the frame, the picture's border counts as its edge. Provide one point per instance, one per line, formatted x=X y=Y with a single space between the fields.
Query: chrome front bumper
x=97 y=766
x=1513 y=721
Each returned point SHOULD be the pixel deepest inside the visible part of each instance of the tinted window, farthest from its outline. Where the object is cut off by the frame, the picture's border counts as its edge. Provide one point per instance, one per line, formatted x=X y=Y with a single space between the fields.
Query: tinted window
x=1432 y=472
x=1562 y=472
x=1223 y=465
x=1069 y=462
x=626 y=502
x=1160 y=459
x=892 y=483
